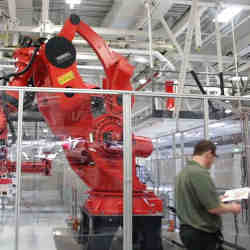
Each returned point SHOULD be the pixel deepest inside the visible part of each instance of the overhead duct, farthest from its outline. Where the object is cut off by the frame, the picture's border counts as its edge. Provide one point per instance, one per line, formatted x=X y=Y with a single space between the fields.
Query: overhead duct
x=182 y=25
x=126 y=14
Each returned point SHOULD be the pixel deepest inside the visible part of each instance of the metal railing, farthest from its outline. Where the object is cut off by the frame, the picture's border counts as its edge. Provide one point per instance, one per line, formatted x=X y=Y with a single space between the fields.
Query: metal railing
x=127 y=130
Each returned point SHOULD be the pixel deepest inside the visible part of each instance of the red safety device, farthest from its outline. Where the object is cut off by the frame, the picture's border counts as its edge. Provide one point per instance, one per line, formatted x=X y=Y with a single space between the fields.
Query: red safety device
x=169 y=88
x=97 y=157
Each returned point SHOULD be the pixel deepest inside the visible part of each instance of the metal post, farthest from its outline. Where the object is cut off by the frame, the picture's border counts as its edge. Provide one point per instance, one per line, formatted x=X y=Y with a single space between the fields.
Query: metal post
x=219 y=48
x=18 y=167
x=206 y=118
x=157 y=176
x=182 y=151
x=12 y=13
x=184 y=65
x=235 y=58
x=127 y=174
x=45 y=15
x=148 y=7
x=12 y=9
x=198 y=39
x=236 y=63
x=246 y=155
x=174 y=151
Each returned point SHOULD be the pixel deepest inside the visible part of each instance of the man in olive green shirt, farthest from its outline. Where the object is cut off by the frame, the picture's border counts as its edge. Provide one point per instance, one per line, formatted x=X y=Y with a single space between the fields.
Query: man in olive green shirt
x=198 y=206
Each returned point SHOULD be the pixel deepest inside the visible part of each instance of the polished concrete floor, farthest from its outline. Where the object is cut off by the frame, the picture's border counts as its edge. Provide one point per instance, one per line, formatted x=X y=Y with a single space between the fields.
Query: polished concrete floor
x=36 y=228
x=45 y=228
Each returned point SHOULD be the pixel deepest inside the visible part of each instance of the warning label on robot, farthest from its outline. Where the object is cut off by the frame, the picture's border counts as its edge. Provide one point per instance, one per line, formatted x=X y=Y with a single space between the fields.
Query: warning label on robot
x=66 y=78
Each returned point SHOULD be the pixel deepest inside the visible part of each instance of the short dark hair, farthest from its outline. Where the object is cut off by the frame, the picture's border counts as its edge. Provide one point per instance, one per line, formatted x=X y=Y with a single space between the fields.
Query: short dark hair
x=203 y=147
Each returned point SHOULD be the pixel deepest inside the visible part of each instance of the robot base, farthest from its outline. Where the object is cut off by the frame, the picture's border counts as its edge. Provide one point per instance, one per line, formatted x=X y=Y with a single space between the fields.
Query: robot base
x=100 y=232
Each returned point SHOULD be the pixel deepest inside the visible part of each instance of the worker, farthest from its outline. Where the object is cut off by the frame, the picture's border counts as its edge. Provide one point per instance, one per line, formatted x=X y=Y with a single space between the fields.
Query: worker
x=198 y=206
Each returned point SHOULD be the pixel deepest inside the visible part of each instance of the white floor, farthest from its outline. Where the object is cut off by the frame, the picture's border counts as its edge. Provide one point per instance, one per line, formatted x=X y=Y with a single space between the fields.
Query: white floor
x=36 y=228
x=37 y=225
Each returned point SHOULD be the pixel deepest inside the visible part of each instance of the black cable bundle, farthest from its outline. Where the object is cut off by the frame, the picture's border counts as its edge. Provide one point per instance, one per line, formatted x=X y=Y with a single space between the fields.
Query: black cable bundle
x=194 y=75
x=6 y=78
x=222 y=86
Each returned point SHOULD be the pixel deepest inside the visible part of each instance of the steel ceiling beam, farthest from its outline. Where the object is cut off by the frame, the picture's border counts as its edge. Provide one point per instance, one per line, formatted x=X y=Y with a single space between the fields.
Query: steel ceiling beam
x=12 y=10
x=213 y=4
x=109 y=33
x=206 y=58
x=118 y=16
x=181 y=26
x=130 y=13
x=163 y=5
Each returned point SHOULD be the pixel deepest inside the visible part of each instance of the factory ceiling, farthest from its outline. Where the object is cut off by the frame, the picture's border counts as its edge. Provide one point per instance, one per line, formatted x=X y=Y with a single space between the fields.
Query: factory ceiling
x=124 y=24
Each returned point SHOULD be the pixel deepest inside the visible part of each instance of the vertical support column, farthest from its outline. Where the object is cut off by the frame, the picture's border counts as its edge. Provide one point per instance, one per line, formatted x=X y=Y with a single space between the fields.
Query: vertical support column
x=18 y=167
x=12 y=12
x=206 y=129
x=206 y=118
x=197 y=23
x=150 y=39
x=185 y=62
x=45 y=15
x=219 y=48
x=182 y=150
x=174 y=152
x=12 y=9
x=127 y=174
x=236 y=63
x=157 y=175
x=12 y=22
x=246 y=155
x=219 y=54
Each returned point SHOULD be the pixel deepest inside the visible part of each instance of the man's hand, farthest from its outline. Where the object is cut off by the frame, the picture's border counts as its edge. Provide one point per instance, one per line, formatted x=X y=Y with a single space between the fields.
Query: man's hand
x=236 y=208
x=222 y=197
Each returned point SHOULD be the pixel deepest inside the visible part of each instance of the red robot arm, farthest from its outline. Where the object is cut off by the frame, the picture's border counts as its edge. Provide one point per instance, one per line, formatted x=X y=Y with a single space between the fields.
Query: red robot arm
x=94 y=120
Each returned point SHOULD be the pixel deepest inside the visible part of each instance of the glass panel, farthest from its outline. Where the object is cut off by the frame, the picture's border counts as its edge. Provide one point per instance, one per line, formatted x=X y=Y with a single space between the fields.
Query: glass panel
x=191 y=127
x=73 y=145
x=7 y=175
x=153 y=120
x=230 y=168
x=225 y=131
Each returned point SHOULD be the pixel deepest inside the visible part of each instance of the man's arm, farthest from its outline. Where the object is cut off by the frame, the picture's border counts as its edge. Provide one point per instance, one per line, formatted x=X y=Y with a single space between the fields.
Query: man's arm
x=206 y=193
x=226 y=208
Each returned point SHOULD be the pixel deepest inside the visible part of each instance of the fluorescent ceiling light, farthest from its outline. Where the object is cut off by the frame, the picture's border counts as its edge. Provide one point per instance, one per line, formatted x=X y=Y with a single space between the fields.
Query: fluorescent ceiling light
x=140 y=59
x=238 y=78
x=228 y=111
x=142 y=81
x=72 y=3
x=228 y=14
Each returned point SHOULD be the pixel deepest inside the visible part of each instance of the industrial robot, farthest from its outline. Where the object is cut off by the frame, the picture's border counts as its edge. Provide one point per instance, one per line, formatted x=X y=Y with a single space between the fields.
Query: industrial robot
x=96 y=119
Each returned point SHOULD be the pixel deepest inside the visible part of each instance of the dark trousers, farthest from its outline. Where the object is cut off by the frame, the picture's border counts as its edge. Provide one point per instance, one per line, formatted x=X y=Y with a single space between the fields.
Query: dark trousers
x=194 y=239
